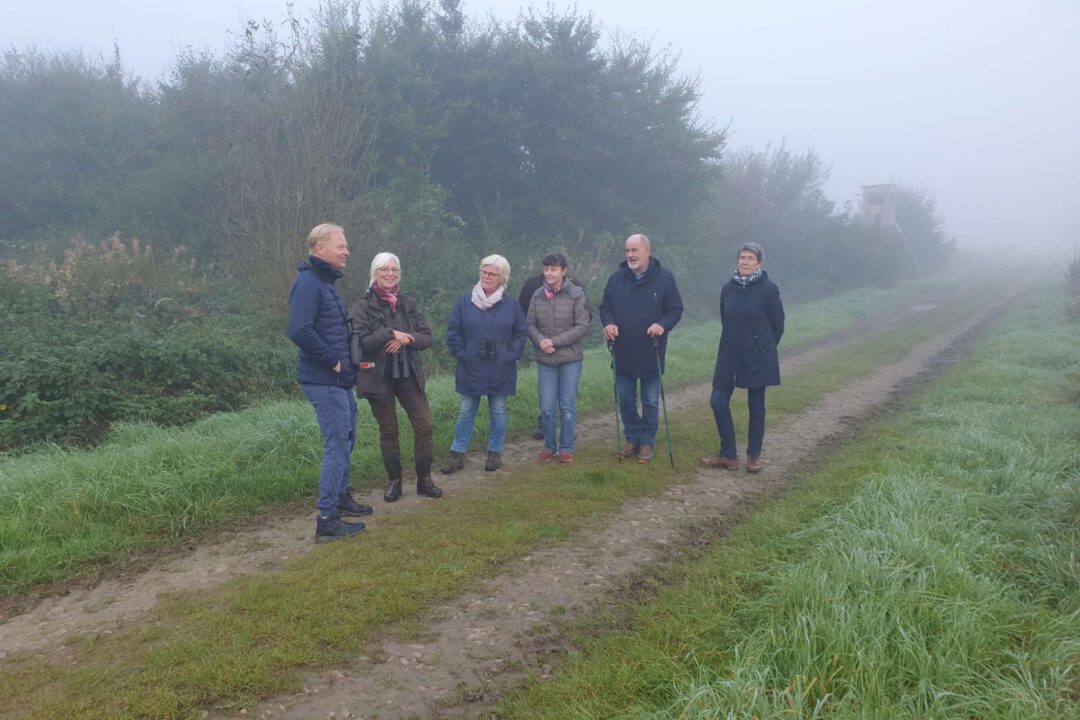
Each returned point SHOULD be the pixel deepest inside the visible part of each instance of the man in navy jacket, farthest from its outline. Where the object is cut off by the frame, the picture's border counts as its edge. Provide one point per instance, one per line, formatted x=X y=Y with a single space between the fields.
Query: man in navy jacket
x=641 y=306
x=319 y=325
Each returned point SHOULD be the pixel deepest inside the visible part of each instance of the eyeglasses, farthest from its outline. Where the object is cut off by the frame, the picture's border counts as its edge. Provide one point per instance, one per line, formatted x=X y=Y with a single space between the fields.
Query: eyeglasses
x=485 y=273
x=391 y=270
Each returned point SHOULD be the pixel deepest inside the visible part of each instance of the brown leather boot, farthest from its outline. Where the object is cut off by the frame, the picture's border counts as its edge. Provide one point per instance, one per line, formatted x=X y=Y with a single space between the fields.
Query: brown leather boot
x=753 y=463
x=629 y=450
x=455 y=462
x=718 y=461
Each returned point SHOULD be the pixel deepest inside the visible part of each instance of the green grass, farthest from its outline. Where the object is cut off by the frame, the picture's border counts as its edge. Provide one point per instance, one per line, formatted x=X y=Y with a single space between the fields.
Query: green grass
x=249 y=636
x=928 y=570
x=66 y=512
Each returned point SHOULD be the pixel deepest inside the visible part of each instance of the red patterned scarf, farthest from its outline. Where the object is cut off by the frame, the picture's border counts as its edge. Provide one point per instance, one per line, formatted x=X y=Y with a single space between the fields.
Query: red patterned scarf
x=390 y=296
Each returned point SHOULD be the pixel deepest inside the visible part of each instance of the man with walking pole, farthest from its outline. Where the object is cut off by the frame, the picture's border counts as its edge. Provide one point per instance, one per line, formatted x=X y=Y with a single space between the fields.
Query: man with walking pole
x=641 y=305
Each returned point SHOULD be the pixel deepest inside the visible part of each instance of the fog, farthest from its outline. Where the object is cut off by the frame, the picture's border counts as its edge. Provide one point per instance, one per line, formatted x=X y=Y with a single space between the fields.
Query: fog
x=976 y=100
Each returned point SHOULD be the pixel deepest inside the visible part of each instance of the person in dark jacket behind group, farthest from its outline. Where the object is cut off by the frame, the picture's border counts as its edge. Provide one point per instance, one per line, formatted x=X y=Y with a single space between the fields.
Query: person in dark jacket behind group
x=392 y=331
x=558 y=321
x=641 y=306
x=319 y=325
x=534 y=283
x=753 y=323
x=486 y=334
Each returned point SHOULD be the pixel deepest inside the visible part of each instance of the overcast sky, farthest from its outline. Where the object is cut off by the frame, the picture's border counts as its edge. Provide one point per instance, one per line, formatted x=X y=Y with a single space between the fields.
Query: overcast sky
x=977 y=100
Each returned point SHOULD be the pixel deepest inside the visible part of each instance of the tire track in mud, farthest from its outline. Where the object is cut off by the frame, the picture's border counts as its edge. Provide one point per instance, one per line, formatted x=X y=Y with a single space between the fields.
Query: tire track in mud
x=491 y=639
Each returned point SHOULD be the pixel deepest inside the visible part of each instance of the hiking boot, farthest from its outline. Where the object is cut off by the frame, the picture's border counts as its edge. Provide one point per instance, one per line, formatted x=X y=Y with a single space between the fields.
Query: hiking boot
x=719 y=461
x=455 y=462
x=566 y=457
x=331 y=528
x=538 y=433
x=753 y=463
x=347 y=506
x=629 y=450
x=645 y=454
x=493 y=462
x=393 y=490
x=546 y=455
x=427 y=488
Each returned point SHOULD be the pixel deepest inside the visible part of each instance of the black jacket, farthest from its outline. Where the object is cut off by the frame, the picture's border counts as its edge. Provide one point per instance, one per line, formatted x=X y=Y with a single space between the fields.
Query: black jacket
x=374 y=322
x=753 y=319
x=633 y=304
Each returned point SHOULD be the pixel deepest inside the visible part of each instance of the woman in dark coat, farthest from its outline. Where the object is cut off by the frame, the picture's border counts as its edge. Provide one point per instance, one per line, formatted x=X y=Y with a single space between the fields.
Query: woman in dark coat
x=392 y=332
x=486 y=334
x=753 y=322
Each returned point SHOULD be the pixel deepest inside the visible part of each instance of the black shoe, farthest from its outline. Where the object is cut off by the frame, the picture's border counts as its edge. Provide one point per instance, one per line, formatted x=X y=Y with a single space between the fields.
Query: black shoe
x=347 y=506
x=493 y=462
x=538 y=433
x=393 y=490
x=453 y=464
x=329 y=529
x=425 y=487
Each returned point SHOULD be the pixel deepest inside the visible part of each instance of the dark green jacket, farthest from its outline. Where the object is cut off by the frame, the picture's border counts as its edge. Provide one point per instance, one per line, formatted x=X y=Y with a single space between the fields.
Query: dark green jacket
x=374 y=322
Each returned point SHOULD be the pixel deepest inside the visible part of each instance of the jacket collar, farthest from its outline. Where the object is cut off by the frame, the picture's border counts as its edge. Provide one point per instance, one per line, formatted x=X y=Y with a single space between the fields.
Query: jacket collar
x=654 y=267
x=319 y=267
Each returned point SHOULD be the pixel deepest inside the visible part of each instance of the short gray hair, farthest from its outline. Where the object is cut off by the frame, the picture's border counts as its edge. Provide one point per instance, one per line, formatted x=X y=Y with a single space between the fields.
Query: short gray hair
x=379 y=262
x=501 y=264
x=646 y=243
x=754 y=248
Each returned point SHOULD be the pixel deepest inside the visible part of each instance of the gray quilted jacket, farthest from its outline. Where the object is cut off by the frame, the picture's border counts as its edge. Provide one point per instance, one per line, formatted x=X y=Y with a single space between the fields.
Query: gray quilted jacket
x=564 y=318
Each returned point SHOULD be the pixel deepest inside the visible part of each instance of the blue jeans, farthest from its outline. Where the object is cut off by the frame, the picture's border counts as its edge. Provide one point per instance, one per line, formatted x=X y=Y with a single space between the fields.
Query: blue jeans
x=497 y=417
x=558 y=391
x=721 y=407
x=335 y=411
x=639 y=429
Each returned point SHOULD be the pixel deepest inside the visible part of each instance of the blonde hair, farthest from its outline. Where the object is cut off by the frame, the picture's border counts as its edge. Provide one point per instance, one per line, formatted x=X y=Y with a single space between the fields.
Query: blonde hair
x=501 y=265
x=322 y=232
x=379 y=262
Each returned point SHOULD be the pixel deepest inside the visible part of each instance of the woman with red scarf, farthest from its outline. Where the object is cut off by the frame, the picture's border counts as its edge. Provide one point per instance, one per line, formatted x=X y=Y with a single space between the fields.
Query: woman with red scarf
x=392 y=332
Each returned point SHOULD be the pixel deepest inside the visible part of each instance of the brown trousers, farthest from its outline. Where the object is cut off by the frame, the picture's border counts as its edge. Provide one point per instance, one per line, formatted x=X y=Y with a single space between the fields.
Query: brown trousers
x=414 y=401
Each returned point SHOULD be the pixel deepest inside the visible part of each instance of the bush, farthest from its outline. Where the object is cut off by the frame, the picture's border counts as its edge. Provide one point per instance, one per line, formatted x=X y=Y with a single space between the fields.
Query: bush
x=115 y=332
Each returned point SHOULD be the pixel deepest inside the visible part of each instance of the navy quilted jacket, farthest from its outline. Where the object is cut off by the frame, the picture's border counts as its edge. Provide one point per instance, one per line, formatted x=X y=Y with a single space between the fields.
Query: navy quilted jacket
x=318 y=325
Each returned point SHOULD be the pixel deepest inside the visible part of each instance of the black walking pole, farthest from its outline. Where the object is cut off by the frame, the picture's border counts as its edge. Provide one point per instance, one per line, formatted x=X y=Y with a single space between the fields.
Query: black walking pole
x=615 y=382
x=663 y=400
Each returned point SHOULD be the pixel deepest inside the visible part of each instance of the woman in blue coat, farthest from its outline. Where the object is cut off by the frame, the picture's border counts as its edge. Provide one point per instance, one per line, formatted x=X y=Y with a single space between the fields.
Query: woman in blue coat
x=753 y=322
x=486 y=334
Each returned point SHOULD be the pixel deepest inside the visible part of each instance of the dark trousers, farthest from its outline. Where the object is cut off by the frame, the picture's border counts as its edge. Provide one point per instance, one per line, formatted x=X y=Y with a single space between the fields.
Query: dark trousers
x=721 y=407
x=412 y=398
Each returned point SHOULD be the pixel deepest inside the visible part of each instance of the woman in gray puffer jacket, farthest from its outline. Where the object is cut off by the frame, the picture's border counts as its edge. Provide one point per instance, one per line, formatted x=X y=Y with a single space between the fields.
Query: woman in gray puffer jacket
x=558 y=322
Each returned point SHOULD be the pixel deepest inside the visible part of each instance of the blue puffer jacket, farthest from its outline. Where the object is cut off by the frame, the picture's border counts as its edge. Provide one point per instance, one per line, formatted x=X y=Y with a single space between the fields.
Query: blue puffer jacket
x=469 y=326
x=318 y=325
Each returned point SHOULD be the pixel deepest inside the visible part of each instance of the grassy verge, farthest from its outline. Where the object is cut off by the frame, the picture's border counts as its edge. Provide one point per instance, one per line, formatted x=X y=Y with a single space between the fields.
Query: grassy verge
x=249 y=636
x=64 y=512
x=929 y=570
